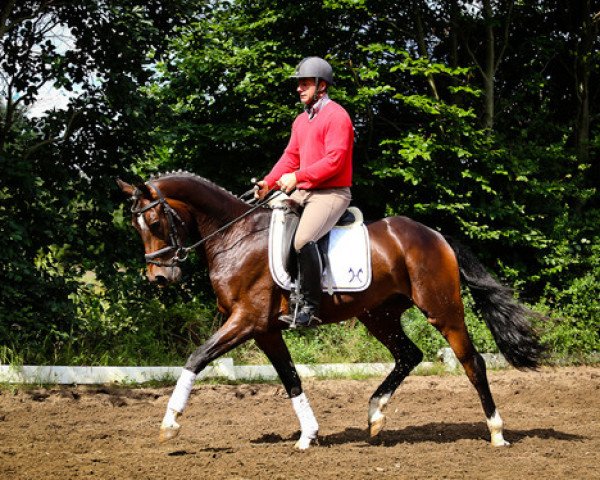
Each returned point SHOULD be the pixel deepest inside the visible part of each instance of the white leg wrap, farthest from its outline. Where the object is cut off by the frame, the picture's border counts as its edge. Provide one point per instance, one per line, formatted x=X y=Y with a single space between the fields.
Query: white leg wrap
x=496 y=426
x=377 y=414
x=308 y=423
x=181 y=394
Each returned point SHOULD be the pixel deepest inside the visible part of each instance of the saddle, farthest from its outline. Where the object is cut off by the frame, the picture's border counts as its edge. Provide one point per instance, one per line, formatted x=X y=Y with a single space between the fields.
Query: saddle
x=345 y=250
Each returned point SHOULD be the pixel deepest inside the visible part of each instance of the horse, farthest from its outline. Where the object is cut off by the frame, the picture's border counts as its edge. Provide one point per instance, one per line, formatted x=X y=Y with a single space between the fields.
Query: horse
x=412 y=265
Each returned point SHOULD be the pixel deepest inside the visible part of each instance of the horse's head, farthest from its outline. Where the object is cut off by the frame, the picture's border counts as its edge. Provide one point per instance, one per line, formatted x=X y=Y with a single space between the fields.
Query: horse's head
x=161 y=225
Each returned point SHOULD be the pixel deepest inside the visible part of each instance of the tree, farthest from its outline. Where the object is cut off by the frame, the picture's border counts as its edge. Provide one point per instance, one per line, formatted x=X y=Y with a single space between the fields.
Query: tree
x=586 y=24
x=478 y=119
x=56 y=214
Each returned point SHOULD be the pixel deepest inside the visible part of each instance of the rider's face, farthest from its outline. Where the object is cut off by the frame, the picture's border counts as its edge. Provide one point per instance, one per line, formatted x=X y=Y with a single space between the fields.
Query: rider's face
x=306 y=90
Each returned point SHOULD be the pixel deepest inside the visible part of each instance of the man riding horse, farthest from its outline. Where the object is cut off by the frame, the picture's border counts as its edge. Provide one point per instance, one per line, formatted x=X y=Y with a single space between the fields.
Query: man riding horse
x=317 y=167
x=412 y=265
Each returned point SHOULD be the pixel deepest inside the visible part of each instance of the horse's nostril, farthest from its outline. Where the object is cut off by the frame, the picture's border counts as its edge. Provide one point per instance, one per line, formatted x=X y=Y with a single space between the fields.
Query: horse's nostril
x=161 y=280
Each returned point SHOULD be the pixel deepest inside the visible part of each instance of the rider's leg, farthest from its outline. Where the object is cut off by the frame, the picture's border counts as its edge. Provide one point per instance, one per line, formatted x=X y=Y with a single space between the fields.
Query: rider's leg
x=306 y=300
x=322 y=209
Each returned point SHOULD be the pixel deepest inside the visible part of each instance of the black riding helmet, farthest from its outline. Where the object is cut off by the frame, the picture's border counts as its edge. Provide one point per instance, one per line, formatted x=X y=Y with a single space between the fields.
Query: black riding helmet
x=314 y=67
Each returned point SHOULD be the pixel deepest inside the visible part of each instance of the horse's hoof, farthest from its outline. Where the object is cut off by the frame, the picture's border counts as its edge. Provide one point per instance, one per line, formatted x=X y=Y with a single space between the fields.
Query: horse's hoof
x=168 y=433
x=500 y=443
x=303 y=443
x=377 y=426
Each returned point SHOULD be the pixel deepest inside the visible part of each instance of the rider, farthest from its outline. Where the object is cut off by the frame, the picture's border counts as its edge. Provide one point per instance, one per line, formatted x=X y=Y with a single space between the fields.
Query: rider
x=317 y=167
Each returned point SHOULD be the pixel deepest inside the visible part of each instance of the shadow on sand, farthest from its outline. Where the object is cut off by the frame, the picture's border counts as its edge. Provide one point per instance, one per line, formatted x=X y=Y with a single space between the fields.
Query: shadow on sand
x=430 y=432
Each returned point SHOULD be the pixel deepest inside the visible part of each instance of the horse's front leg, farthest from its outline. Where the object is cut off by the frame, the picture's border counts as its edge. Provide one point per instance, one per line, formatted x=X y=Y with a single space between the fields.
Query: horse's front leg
x=276 y=350
x=231 y=334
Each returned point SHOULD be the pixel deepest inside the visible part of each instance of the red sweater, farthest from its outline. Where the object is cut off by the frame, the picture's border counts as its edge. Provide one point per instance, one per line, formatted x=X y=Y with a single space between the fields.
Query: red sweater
x=319 y=151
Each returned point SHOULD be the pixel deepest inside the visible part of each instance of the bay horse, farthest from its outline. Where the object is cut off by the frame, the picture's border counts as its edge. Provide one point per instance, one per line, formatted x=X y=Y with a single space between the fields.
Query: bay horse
x=412 y=264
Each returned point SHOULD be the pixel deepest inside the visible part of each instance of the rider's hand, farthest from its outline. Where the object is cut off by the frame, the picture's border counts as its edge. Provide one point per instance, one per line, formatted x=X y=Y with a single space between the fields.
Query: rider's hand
x=261 y=189
x=287 y=182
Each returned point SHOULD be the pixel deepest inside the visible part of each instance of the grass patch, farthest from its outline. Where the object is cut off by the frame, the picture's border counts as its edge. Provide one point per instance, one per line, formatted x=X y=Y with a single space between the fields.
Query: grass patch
x=167 y=336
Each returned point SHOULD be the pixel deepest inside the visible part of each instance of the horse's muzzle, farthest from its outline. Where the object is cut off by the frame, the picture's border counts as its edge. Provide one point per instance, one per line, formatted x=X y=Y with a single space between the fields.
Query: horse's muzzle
x=163 y=275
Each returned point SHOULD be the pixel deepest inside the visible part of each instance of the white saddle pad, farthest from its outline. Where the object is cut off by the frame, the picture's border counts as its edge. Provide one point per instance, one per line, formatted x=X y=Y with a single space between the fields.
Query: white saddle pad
x=349 y=257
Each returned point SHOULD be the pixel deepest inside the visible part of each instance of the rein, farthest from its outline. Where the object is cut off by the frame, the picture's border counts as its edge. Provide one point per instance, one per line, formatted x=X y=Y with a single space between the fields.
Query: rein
x=181 y=252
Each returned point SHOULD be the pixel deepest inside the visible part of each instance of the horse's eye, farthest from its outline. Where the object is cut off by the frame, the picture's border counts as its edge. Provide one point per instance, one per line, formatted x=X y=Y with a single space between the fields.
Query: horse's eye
x=155 y=227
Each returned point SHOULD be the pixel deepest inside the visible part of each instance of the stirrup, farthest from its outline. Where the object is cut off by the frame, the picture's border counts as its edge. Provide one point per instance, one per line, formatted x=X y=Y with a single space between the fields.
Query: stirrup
x=295 y=304
x=292 y=318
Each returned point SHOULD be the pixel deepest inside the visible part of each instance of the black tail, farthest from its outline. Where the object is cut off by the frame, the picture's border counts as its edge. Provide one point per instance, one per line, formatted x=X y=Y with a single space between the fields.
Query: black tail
x=507 y=319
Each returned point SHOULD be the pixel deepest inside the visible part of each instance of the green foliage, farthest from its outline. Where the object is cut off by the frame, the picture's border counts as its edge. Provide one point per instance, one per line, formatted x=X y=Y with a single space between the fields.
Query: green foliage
x=204 y=87
x=348 y=342
x=112 y=327
x=223 y=117
x=574 y=330
x=55 y=170
x=430 y=341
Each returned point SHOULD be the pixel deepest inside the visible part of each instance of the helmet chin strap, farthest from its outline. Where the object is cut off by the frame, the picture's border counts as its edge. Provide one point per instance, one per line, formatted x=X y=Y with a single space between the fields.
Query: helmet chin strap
x=317 y=92
x=316 y=95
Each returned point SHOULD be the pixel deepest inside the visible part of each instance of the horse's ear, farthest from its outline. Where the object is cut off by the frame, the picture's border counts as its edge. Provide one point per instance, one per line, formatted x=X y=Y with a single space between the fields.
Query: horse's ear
x=126 y=187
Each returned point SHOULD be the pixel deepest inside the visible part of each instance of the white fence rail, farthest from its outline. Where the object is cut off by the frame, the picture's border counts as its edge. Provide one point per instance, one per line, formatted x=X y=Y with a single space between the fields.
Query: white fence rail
x=222 y=368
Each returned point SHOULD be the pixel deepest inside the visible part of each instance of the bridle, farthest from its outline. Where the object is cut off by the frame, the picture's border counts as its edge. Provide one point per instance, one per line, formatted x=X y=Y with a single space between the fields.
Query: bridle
x=175 y=245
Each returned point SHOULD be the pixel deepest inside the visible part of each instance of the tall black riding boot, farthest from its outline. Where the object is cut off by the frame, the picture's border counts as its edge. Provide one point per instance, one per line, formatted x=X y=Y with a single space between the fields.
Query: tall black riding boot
x=306 y=300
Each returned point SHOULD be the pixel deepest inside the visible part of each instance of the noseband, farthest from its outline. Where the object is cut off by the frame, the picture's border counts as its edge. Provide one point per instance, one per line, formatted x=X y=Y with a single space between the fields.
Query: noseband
x=175 y=244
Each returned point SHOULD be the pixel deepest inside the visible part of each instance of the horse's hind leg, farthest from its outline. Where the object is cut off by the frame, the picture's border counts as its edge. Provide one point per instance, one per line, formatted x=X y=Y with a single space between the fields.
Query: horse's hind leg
x=385 y=325
x=452 y=326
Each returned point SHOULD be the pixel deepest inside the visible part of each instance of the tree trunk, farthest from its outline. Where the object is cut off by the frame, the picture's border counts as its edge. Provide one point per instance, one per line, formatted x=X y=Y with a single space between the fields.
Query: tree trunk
x=454 y=26
x=422 y=45
x=585 y=46
x=489 y=66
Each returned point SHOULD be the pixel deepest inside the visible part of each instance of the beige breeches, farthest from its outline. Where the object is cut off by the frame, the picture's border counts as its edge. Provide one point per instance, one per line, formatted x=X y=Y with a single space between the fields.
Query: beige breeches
x=322 y=209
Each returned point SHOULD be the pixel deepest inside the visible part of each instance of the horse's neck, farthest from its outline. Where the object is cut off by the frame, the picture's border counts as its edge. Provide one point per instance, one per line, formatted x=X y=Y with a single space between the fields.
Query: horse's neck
x=226 y=253
x=211 y=205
